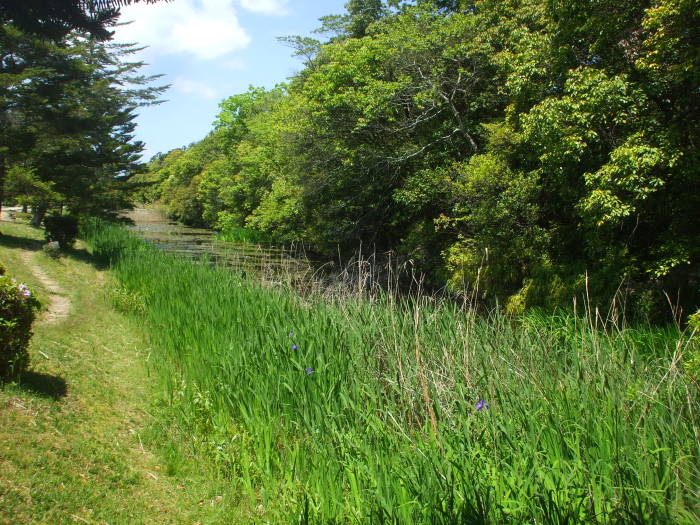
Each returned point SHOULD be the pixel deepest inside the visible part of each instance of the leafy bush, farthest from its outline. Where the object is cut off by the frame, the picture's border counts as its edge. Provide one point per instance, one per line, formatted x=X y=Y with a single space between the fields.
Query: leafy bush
x=244 y=236
x=61 y=228
x=17 y=307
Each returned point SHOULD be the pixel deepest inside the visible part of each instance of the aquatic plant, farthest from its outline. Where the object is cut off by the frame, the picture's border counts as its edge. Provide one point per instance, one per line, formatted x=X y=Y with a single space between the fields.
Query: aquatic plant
x=595 y=422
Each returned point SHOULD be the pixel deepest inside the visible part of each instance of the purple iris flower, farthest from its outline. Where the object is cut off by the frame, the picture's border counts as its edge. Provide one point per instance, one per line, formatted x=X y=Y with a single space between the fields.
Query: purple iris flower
x=481 y=404
x=309 y=370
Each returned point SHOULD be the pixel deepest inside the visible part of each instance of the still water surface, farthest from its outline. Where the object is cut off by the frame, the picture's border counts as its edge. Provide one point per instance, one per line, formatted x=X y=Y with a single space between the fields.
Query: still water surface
x=200 y=244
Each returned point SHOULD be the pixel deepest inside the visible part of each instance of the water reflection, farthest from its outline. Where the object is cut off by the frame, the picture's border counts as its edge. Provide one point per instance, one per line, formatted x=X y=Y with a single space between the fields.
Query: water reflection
x=201 y=244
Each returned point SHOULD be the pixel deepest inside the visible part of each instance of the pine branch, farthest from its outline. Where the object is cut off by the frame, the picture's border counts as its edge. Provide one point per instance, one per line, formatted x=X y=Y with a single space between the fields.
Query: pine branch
x=95 y=6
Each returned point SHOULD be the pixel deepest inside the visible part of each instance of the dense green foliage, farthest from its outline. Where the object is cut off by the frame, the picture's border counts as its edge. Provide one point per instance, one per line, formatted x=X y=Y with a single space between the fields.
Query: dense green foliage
x=62 y=229
x=533 y=149
x=66 y=122
x=54 y=19
x=384 y=412
x=16 y=316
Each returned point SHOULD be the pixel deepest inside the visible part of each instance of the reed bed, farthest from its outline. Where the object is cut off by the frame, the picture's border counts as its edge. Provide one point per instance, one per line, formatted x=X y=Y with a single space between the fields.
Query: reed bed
x=344 y=410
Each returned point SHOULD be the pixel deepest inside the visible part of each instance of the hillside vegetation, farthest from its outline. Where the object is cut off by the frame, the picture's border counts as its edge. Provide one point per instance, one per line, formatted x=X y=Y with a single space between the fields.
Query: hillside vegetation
x=532 y=164
x=532 y=149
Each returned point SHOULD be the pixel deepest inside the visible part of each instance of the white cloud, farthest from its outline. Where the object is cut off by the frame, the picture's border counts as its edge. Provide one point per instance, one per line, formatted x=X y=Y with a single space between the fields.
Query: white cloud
x=266 y=7
x=193 y=87
x=207 y=29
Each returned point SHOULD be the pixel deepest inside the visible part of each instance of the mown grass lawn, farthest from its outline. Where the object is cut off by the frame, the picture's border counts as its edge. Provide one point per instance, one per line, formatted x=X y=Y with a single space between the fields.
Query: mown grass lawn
x=77 y=444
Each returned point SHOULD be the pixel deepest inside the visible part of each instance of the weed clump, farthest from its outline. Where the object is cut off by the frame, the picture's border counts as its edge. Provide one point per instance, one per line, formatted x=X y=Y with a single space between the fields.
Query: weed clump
x=17 y=307
x=52 y=249
x=127 y=301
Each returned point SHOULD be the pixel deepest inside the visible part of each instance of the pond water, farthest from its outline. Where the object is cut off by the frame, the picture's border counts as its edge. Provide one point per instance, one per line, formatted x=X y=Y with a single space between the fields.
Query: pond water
x=201 y=244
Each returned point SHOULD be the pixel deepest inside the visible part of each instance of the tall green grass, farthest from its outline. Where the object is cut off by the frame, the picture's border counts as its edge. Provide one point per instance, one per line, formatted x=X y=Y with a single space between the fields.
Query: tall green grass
x=580 y=424
x=244 y=235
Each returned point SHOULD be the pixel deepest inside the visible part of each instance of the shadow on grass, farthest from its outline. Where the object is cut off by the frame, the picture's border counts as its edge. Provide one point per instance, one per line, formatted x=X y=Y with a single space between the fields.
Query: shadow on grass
x=81 y=254
x=24 y=243
x=44 y=385
x=12 y=241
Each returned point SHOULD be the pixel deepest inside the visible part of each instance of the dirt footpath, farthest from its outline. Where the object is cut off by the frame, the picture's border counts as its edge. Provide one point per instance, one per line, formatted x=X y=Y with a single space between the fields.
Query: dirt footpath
x=59 y=304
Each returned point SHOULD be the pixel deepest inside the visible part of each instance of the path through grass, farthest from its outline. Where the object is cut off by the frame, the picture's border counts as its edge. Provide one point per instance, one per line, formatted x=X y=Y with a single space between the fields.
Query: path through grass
x=77 y=444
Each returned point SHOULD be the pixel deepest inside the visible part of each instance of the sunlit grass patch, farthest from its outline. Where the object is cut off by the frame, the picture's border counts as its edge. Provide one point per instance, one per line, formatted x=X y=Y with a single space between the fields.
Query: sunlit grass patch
x=76 y=440
x=415 y=411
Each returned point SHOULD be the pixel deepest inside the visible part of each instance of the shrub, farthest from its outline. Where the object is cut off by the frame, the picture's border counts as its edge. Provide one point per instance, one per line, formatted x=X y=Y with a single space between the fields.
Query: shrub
x=61 y=228
x=17 y=306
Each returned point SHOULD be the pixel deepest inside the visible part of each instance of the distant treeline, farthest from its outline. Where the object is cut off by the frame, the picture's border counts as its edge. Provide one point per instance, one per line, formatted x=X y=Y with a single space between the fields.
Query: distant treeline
x=537 y=149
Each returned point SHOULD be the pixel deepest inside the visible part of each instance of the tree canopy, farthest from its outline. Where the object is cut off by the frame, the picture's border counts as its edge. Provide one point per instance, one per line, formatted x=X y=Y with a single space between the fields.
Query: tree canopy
x=533 y=150
x=54 y=19
x=67 y=109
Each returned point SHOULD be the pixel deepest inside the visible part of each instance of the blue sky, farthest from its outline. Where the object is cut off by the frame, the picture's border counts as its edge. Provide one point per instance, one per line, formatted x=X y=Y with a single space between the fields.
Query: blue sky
x=209 y=50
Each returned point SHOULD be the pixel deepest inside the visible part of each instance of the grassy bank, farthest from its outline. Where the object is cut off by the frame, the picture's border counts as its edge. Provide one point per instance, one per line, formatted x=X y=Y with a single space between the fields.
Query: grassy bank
x=77 y=443
x=380 y=412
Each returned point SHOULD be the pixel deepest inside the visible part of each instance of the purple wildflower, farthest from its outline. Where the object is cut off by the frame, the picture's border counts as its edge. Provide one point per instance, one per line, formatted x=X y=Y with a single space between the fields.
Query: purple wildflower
x=294 y=347
x=481 y=404
x=309 y=370
x=24 y=290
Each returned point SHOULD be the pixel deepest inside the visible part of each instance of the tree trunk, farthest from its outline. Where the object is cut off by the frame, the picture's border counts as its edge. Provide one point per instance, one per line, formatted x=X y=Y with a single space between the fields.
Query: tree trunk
x=38 y=213
x=2 y=180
